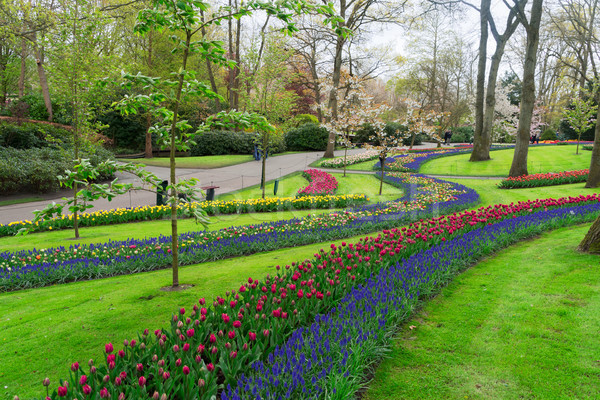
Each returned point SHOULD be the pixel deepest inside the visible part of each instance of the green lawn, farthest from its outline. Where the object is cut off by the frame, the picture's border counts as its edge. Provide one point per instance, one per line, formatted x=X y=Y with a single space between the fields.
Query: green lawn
x=20 y=201
x=204 y=162
x=540 y=159
x=43 y=330
x=521 y=325
x=201 y=162
x=351 y=184
x=490 y=194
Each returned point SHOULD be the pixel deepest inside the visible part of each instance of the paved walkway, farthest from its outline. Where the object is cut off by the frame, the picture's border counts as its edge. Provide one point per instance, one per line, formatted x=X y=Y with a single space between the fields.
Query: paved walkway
x=228 y=179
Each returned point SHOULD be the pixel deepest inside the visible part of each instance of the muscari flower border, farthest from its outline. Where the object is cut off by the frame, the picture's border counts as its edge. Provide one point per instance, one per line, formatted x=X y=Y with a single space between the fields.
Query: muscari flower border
x=329 y=355
x=84 y=268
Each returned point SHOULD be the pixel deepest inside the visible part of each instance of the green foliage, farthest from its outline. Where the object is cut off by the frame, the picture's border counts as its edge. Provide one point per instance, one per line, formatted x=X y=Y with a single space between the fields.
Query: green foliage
x=548 y=134
x=307 y=137
x=28 y=135
x=462 y=134
x=126 y=132
x=392 y=129
x=223 y=142
x=587 y=147
x=37 y=170
x=36 y=109
x=302 y=119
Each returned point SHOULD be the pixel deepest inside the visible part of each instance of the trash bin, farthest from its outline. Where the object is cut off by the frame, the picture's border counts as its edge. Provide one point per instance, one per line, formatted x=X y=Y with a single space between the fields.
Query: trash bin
x=275 y=187
x=210 y=192
x=161 y=193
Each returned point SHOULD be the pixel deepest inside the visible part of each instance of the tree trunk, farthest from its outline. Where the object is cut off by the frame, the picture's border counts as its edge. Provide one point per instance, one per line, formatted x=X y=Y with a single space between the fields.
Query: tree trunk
x=23 y=67
x=480 y=150
x=345 y=155
x=337 y=68
x=594 y=175
x=174 y=196
x=591 y=241
x=39 y=55
x=148 y=148
x=519 y=163
x=382 y=172
x=264 y=173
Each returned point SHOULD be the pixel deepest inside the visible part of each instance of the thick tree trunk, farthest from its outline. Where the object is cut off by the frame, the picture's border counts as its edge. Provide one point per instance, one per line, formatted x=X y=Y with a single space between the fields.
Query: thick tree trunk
x=337 y=69
x=519 y=163
x=480 y=148
x=594 y=175
x=39 y=55
x=591 y=241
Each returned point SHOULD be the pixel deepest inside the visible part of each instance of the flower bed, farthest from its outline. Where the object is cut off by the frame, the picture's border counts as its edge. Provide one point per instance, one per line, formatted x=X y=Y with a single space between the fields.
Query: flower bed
x=321 y=184
x=548 y=179
x=423 y=196
x=209 y=346
x=149 y=213
x=338 y=162
x=331 y=355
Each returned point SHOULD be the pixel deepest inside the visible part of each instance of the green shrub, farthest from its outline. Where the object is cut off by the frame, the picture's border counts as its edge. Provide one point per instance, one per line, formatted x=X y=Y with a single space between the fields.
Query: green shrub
x=30 y=135
x=223 y=142
x=548 y=134
x=462 y=134
x=125 y=132
x=365 y=134
x=307 y=137
x=587 y=147
x=35 y=170
x=37 y=108
x=302 y=119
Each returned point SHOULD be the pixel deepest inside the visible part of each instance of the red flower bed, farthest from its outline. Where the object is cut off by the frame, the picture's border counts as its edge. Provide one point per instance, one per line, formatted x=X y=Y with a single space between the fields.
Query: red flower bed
x=548 y=179
x=207 y=346
x=321 y=183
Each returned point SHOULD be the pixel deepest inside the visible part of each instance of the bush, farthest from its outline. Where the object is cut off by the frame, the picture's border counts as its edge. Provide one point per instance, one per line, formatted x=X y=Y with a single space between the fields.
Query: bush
x=395 y=129
x=548 y=134
x=462 y=134
x=223 y=142
x=587 y=147
x=124 y=131
x=35 y=170
x=302 y=119
x=30 y=135
x=307 y=137
x=37 y=107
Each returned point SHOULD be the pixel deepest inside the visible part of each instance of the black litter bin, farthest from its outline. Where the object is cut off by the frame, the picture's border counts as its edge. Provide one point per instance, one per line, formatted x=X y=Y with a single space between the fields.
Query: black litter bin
x=275 y=187
x=210 y=192
x=161 y=193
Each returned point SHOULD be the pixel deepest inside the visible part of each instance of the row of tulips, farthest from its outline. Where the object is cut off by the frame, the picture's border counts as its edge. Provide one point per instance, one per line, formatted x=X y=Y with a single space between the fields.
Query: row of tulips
x=423 y=196
x=338 y=162
x=321 y=184
x=411 y=162
x=148 y=213
x=548 y=179
x=330 y=355
x=210 y=346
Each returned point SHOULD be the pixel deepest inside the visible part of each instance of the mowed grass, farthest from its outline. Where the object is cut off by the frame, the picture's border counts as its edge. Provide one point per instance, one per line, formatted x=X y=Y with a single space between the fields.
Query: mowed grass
x=201 y=162
x=489 y=193
x=350 y=184
x=540 y=160
x=521 y=325
x=42 y=331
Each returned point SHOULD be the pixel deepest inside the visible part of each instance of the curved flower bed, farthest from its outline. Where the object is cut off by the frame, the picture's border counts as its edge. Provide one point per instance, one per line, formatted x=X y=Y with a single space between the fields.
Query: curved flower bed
x=331 y=354
x=149 y=213
x=423 y=196
x=549 y=179
x=321 y=184
x=214 y=345
x=338 y=162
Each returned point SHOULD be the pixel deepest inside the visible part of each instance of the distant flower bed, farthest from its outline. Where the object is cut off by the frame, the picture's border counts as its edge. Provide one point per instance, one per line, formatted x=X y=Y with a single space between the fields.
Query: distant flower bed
x=338 y=162
x=548 y=179
x=39 y=267
x=326 y=309
x=149 y=213
x=321 y=184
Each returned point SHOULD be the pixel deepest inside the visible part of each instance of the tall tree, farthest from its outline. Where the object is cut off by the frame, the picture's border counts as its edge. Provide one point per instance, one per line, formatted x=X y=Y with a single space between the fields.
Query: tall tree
x=532 y=27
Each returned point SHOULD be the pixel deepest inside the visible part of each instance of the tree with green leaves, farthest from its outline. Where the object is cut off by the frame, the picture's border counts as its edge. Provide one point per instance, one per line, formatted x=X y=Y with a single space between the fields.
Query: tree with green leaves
x=580 y=116
x=185 y=19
